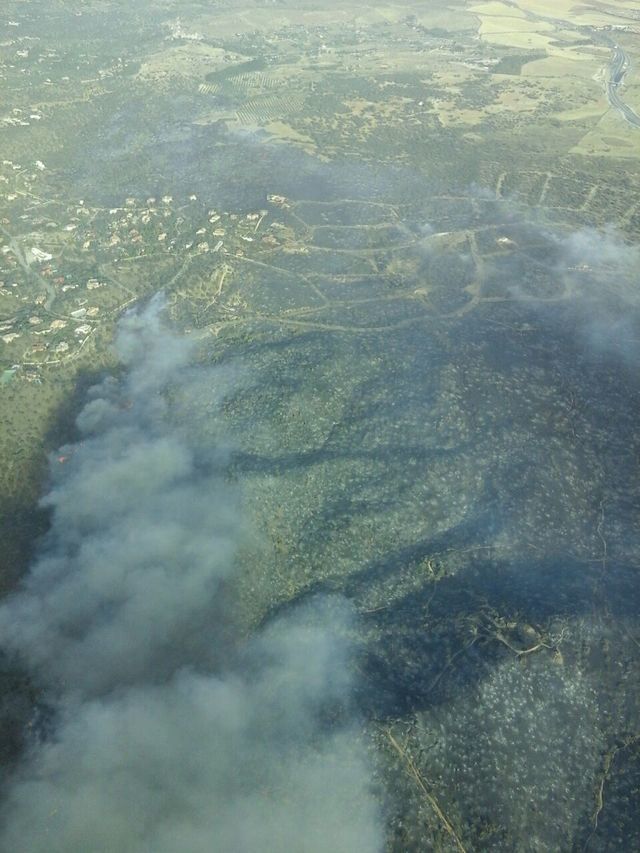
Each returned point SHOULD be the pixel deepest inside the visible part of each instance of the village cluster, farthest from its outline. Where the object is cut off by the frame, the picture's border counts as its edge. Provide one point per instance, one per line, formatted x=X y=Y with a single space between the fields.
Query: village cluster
x=60 y=267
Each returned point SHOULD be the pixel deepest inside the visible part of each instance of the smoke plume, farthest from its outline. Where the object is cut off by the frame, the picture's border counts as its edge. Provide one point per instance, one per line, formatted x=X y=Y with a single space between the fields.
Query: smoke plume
x=601 y=272
x=157 y=744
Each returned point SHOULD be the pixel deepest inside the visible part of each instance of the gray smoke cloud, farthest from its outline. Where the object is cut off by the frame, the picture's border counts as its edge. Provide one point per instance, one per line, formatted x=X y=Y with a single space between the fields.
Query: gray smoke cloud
x=156 y=747
x=144 y=531
x=585 y=280
x=601 y=272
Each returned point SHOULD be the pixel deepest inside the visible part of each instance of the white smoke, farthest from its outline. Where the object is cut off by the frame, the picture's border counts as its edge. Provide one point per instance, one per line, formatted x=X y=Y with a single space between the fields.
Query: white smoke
x=156 y=747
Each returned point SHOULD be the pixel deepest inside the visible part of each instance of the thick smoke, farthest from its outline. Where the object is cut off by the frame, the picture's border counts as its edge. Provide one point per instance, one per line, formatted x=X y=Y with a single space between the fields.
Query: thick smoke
x=156 y=746
x=144 y=531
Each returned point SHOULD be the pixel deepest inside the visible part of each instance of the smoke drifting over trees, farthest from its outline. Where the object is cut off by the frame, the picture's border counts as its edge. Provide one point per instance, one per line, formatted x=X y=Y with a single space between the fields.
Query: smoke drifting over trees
x=154 y=745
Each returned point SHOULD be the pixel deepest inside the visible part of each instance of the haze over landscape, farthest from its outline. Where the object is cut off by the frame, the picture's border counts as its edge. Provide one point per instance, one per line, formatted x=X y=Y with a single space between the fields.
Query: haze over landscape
x=320 y=329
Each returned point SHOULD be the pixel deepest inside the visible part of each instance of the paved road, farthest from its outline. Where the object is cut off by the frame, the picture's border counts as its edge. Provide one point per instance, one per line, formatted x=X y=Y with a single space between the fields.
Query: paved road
x=619 y=63
x=618 y=67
